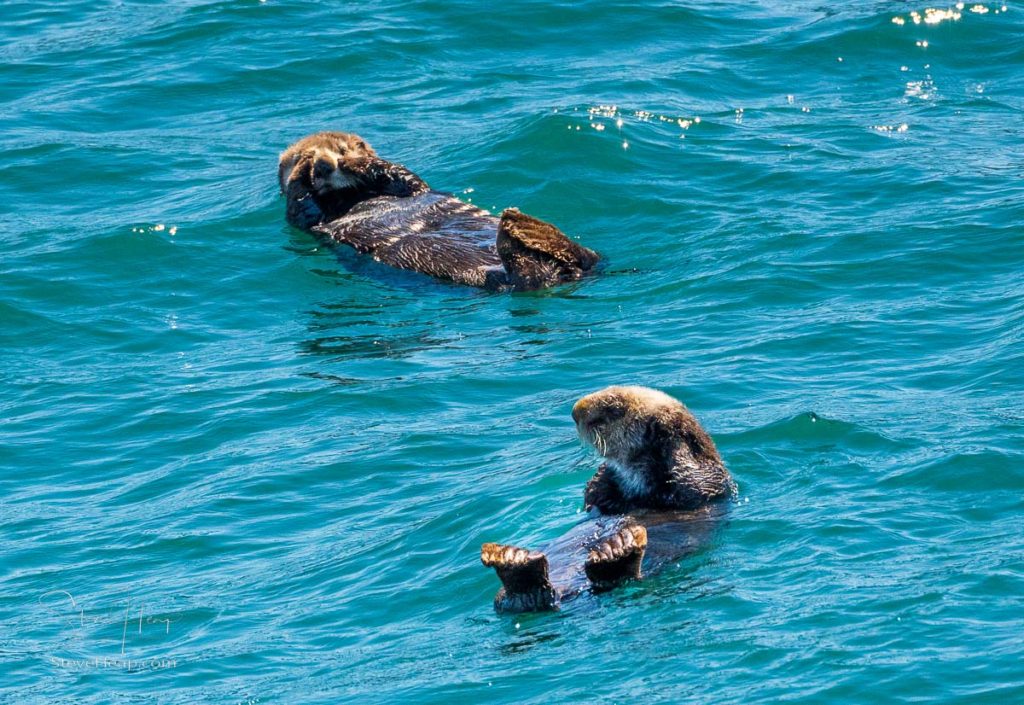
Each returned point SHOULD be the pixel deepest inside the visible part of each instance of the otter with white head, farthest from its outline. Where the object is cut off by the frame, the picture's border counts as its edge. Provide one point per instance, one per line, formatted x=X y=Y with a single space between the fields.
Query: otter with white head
x=658 y=456
x=656 y=498
x=337 y=187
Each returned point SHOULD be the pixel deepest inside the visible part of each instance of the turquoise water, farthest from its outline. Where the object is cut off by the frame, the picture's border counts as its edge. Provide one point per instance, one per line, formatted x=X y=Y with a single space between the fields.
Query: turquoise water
x=236 y=468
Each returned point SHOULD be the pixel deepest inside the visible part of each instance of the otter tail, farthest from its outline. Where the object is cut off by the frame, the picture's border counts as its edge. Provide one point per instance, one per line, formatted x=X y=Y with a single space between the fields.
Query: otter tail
x=536 y=254
x=524 y=575
x=617 y=559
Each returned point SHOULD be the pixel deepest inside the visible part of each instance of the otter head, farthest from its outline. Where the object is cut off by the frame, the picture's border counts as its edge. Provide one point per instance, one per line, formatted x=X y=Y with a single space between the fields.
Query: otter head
x=618 y=421
x=637 y=430
x=657 y=452
x=332 y=166
x=536 y=254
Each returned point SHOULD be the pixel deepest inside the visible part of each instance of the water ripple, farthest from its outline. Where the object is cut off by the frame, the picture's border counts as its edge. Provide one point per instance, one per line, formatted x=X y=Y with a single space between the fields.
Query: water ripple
x=262 y=470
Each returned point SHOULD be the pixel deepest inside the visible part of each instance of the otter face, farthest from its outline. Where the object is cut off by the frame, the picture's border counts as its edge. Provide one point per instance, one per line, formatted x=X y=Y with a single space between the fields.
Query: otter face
x=331 y=170
x=326 y=162
x=616 y=421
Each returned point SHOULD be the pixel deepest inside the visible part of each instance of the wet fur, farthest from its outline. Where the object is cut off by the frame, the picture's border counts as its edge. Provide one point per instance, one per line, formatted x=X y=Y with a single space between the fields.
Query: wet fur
x=337 y=187
x=655 y=499
x=657 y=455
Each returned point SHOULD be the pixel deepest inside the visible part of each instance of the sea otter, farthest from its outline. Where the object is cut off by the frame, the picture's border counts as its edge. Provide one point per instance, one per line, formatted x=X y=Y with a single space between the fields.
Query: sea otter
x=656 y=498
x=337 y=187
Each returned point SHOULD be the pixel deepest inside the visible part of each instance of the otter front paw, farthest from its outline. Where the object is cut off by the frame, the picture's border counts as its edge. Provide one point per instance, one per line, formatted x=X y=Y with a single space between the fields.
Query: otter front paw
x=303 y=212
x=617 y=559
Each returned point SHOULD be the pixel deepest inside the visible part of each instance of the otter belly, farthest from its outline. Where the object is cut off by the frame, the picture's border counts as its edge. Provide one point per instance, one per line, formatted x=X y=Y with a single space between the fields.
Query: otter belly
x=433 y=233
x=670 y=537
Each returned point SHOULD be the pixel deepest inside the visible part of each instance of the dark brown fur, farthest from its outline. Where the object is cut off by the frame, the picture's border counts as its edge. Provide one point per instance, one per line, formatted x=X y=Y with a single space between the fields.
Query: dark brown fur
x=305 y=172
x=662 y=458
x=337 y=187
x=536 y=253
x=657 y=491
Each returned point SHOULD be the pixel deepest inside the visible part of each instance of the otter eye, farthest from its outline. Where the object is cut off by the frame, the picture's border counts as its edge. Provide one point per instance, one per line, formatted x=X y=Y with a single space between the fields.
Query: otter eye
x=607 y=415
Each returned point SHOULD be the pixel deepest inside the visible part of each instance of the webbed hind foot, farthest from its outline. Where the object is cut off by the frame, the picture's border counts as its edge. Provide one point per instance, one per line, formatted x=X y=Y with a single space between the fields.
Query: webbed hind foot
x=536 y=254
x=524 y=576
x=617 y=559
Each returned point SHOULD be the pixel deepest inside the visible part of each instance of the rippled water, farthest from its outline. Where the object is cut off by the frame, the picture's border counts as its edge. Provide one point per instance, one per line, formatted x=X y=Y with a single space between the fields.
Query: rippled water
x=237 y=469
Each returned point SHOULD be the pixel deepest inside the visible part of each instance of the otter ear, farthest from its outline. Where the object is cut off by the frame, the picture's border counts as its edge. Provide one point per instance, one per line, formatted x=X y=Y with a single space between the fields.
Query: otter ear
x=654 y=432
x=658 y=439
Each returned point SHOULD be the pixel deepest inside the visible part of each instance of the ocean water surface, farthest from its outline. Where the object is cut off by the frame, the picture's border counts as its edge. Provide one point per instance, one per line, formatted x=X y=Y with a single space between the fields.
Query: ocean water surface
x=236 y=467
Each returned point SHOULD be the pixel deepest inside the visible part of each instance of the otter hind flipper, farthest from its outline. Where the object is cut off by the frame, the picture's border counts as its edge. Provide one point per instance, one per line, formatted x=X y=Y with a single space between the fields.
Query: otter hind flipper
x=536 y=254
x=524 y=577
x=617 y=559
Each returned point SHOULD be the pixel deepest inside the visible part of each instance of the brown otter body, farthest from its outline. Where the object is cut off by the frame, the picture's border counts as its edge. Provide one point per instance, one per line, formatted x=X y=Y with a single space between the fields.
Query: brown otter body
x=337 y=187
x=656 y=498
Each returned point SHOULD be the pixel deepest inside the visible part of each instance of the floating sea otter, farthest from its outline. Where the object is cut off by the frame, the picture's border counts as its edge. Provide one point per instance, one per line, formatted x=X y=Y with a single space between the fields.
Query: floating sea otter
x=655 y=498
x=339 y=188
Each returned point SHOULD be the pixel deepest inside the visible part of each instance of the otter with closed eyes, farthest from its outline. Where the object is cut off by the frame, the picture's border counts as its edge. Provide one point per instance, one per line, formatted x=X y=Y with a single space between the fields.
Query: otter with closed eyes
x=657 y=497
x=337 y=187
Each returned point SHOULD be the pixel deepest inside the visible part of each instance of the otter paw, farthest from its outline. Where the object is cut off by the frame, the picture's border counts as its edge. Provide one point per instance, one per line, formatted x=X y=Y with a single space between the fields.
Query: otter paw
x=524 y=577
x=303 y=212
x=616 y=559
